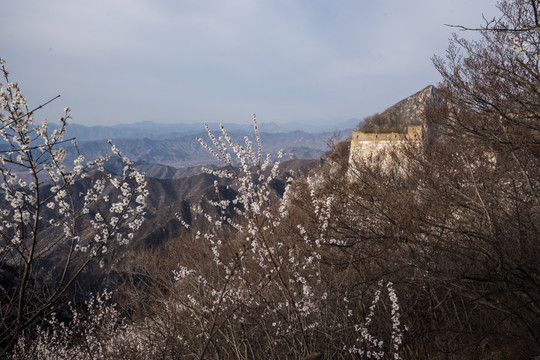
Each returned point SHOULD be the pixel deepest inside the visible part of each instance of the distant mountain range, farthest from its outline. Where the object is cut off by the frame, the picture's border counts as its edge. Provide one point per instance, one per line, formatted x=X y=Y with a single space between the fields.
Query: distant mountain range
x=172 y=150
x=153 y=130
x=186 y=151
x=189 y=195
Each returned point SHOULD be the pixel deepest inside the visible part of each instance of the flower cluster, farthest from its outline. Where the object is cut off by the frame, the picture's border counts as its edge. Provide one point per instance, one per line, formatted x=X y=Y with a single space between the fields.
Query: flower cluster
x=526 y=47
x=38 y=184
x=375 y=345
x=98 y=331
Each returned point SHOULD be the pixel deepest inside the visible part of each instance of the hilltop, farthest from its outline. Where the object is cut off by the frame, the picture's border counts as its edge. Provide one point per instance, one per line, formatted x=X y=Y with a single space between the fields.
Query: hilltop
x=397 y=117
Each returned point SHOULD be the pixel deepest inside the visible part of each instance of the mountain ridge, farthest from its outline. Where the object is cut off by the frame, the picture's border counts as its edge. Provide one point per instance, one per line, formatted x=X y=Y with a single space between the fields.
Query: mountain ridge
x=155 y=130
x=186 y=151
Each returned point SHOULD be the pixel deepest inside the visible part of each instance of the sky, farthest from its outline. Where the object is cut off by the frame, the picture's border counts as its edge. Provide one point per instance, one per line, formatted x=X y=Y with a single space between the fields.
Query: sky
x=189 y=61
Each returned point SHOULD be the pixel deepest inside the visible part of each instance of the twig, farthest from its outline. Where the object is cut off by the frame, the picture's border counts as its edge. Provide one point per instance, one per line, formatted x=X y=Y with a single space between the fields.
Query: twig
x=39 y=107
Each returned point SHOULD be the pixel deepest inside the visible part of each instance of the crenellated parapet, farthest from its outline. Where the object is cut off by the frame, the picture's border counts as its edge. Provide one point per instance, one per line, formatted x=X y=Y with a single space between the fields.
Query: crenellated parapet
x=365 y=143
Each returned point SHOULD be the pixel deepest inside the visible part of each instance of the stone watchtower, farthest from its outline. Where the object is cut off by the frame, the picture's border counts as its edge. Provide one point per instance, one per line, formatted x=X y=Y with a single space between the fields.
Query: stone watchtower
x=404 y=113
x=364 y=145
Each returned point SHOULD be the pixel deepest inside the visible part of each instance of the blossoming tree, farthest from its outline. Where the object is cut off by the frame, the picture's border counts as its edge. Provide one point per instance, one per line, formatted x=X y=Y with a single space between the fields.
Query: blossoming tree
x=56 y=217
x=267 y=288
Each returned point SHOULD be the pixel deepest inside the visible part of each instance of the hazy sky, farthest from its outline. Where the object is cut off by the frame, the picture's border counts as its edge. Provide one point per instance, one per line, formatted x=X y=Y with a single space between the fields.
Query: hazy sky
x=122 y=61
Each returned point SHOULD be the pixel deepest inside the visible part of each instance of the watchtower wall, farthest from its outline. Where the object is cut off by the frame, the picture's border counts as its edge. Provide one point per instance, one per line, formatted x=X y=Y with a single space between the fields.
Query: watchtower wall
x=366 y=144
